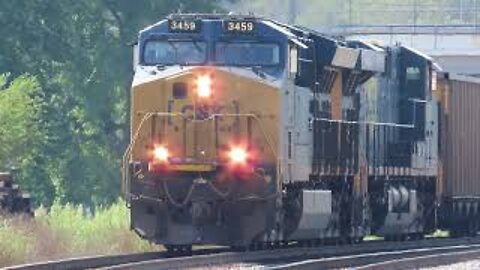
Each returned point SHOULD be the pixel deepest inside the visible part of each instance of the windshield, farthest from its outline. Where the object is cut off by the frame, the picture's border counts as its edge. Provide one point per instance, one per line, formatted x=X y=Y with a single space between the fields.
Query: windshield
x=247 y=54
x=159 y=52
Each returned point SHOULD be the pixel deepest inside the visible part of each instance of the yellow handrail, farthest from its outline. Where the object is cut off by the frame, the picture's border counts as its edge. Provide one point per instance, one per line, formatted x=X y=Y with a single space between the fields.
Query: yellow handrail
x=148 y=115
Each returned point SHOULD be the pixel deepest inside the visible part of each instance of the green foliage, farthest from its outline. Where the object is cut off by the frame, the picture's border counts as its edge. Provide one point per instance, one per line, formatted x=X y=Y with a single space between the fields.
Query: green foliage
x=22 y=131
x=68 y=231
x=20 y=107
x=78 y=53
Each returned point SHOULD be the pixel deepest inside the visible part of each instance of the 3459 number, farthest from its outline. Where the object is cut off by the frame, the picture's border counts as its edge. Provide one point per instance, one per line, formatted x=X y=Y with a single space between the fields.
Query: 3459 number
x=183 y=26
x=240 y=26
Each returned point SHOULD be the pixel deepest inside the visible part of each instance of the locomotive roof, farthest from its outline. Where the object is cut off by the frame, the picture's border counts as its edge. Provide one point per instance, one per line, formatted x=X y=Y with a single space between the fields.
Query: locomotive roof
x=290 y=32
x=213 y=16
x=301 y=36
x=293 y=29
x=295 y=33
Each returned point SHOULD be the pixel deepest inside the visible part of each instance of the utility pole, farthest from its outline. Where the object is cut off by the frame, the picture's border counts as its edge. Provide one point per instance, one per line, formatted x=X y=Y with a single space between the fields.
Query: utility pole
x=415 y=13
x=461 y=11
x=415 y=10
x=350 y=20
x=476 y=14
x=292 y=12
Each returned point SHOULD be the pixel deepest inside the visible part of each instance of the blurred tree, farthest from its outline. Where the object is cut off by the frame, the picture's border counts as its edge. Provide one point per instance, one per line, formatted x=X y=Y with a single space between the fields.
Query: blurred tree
x=21 y=128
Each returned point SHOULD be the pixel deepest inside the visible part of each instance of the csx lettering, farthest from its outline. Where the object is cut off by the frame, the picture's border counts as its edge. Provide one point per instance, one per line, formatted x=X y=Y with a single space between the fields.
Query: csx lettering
x=202 y=112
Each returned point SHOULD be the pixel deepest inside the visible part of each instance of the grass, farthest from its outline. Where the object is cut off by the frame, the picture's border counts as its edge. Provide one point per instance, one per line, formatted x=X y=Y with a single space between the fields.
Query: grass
x=435 y=234
x=439 y=234
x=372 y=238
x=14 y=246
x=68 y=231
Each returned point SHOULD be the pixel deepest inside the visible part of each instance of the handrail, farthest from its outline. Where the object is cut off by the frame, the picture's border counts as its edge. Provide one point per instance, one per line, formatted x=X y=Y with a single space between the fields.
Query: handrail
x=148 y=115
x=402 y=29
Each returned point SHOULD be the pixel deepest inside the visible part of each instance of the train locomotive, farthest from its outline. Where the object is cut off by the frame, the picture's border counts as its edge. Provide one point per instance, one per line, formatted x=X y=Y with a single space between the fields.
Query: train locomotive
x=246 y=132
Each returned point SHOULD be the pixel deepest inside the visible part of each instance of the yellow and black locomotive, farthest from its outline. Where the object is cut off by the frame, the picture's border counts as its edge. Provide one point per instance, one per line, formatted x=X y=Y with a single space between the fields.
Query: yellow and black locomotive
x=247 y=131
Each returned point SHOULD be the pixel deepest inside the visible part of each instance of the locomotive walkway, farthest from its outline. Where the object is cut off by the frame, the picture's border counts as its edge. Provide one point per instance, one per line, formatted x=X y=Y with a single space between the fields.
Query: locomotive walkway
x=367 y=255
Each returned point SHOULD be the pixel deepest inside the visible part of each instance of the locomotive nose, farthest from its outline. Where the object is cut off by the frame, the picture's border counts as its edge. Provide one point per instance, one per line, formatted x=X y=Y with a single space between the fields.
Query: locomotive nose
x=209 y=137
x=207 y=116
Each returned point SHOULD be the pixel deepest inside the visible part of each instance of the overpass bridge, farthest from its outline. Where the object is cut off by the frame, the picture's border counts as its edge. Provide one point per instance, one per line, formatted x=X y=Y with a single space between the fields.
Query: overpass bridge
x=456 y=48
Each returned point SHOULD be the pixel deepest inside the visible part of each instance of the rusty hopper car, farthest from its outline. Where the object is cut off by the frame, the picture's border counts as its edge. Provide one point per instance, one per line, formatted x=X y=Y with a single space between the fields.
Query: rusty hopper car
x=459 y=177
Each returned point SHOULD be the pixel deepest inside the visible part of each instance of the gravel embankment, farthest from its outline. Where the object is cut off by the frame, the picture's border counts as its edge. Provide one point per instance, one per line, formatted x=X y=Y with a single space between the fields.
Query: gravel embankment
x=468 y=265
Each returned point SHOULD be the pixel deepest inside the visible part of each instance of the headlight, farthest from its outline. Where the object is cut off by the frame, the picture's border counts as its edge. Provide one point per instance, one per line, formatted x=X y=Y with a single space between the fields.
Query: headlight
x=204 y=86
x=238 y=156
x=161 y=154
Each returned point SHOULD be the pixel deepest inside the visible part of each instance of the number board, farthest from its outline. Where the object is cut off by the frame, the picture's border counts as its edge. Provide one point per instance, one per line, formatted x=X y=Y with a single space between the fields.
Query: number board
x=184 y=26
x=240 y=27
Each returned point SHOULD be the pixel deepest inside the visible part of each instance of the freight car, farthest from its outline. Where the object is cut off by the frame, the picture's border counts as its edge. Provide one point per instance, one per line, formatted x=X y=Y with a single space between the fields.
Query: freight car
x=246 y=132
x=459 y=182
x=12 y=200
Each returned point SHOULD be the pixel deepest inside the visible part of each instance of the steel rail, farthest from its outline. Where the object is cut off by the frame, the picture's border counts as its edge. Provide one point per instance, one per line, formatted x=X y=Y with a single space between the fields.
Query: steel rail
x=424 y=261
x=95 y=262
x=285 y=257
x=88 y=262
x=403 y=259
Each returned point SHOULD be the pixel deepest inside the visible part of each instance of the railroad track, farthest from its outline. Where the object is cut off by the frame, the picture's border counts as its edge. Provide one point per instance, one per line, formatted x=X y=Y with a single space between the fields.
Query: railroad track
x=96 y=262
x=367 y=255
x=401 y=259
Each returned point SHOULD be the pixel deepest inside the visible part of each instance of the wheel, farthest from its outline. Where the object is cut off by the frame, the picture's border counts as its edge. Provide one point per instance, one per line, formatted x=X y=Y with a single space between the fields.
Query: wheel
x=178 y=250
x=186 y=250
x=242 y=248
x=415 y=236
